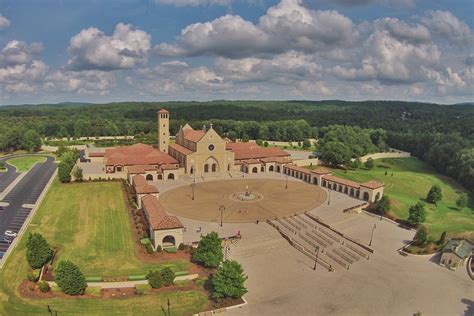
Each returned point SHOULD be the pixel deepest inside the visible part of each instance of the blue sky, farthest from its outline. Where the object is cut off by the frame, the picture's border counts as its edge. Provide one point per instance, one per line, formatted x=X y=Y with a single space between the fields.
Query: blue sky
x=101 y=51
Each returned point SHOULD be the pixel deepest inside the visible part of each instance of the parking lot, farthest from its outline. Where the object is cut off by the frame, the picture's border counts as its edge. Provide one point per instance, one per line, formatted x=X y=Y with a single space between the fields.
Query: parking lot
x=22 y=197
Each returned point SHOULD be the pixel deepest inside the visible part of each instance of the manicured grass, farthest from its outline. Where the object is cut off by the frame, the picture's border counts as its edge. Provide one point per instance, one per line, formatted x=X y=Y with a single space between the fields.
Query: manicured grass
x=90 y=225
x=411 y=181
x=23 y=164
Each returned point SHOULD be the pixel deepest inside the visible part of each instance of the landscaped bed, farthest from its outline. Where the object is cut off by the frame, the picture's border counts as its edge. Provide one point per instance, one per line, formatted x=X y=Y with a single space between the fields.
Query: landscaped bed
x=23 y=164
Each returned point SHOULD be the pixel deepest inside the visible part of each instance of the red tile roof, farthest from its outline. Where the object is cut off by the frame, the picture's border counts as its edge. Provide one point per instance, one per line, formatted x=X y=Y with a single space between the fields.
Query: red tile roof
x=181 y=149
x=140 y=169
x=299 y=169
x=169 y=167
x=276 y=159
x=142 y=187
x=192 y=135
x=163 y=111
x=321 y=170
x=157 y=216
x=342 y=181
x=138 y=154
x=250 y=150
x=372 y=184
x=251 y=161
x=97 y=154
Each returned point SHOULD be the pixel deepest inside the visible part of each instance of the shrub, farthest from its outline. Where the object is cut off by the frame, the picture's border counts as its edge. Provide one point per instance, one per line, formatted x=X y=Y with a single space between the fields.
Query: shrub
x=209 y=251
x=34 y=275
x=171 y=249
x=142 y=288
x=94 y=291
x=181 y=246
x=167 y=275
x=199 y=281
x=136 y=277
x=70 y=278
x=55 y=289
x=421 y=236
x=158 y=249
x=154 y=279
x=44 y=286
x=145 y=241
x=417 y=213
x=229 y=280
x=38 y=252
x=382 y=206
x=434 y=195
x=369 y=164
x=149 y=248
x=462 y=200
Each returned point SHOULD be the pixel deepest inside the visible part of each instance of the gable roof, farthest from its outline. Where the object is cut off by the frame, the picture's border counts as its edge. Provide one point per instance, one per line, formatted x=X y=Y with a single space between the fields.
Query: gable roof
x=181 y=149
x=142 y=186
x=250 y=150
x=321 y=170
x=372 y=184
x=192 y=135
x=137 y=154
x=342 y=181
x=157 y=216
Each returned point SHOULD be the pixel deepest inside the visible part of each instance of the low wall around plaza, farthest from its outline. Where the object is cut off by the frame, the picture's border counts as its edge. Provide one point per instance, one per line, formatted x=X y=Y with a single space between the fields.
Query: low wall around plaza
x=391 y=154
x=306 y=162
x=104 y=176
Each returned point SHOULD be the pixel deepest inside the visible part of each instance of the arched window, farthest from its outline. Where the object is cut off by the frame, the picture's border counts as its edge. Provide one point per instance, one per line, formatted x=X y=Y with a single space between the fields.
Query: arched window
x=324 y=183
x=366 y=196
x=346 y=190
x=169 y=241
x=214 y=167
x=206 y=168
x=377 y=196
x=160 y=177
x=315 y=180
x=171 y=176
x=352 y=191
x=278 y=168
x=262 y=169
x=255 y=170
x=270 y=168
x=149 y=177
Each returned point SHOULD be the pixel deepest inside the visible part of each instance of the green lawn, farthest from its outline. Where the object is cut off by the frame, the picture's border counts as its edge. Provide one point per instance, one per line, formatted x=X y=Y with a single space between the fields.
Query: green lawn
x=23 y=164
x=411 y=181
x=90 y=225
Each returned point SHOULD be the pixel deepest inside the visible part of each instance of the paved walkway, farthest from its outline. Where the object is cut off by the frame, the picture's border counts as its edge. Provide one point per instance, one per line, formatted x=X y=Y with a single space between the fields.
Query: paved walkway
x=125 y=284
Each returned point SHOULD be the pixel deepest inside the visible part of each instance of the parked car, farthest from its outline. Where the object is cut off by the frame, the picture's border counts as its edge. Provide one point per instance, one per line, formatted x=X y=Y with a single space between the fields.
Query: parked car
x=10 y=233
x=5 y=239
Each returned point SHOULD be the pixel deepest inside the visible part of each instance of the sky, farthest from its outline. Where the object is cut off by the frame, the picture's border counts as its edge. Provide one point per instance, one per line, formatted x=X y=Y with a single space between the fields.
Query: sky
x=161 y=50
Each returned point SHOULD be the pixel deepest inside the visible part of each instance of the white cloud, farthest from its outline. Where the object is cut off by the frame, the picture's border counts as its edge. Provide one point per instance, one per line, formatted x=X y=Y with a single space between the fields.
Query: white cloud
x=91 y=49
x=285 y=27
x=18 y=52
x=4 y=22
x=88 y=82
x=402 y=31
x=194 y=3
x=448 y=26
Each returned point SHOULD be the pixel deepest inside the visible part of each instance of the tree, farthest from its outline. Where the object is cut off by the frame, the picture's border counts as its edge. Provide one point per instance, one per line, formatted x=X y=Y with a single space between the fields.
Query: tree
x=335 y=153
x=421 y=236
x=77 y=172
x=369 y=164
x=154 y=279
x=70 y=278
x=382 y=206
x=434 y=195
x=417 y=213
x=265 y=144
x=229 y=281
x=38 y=251
x=209 y=251
x=31 y=141
x=442 y=238
x=259 y=142
x=64 y=172
x=462 y=200
x=167 y=276
x=306 y=143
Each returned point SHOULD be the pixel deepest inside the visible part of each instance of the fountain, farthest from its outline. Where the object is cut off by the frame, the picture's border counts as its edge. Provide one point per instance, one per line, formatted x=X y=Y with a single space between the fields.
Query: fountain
x=246 y=196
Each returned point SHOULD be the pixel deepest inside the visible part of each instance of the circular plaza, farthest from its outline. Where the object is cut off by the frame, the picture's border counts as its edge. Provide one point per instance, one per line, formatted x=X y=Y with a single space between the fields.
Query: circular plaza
x=242 y=201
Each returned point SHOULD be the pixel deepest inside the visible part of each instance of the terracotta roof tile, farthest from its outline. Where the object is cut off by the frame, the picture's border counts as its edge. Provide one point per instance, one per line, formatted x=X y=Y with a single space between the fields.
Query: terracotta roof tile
x=321 y=170
x=142 y=186
x=342 y=181
x=250 y=150
x=193 y=136
x=299 y=169
x=138 y=154
x=372 y=184
x=163 y=111
x=181 y=149
x=157 y=216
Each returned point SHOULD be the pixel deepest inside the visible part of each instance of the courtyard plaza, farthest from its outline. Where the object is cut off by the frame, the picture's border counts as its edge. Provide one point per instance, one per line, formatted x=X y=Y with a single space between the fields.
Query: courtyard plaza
x=282 y=280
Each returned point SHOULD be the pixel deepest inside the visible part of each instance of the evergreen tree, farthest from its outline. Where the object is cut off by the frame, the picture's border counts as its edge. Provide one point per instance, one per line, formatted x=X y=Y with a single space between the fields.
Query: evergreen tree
x=70 y=278
x=167 y=275
x=434 y=195
x=229 y=281
x=38 y=251
x=78 y=175
x=382 y=206
x=442 y=239
x=155 y=279
x=209 y=251
x=369 y=164
x=421 y=236
x=462 y=200
x=306 y=143
x=417 y=213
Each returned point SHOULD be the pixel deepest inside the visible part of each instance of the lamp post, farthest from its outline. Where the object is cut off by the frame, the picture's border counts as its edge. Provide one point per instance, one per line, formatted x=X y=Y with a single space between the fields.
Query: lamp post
x=372 y=235
x=222 y=208
x=329 y=197
x=316 y=258
x=193 y=185
x=286 y=184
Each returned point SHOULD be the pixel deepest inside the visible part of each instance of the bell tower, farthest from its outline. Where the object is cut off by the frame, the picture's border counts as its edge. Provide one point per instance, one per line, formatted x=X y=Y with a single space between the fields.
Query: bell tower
x=163 y=130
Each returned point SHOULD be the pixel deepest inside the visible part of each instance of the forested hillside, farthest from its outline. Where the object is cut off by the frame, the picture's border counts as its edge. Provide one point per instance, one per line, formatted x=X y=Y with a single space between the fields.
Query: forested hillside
x=442 y=135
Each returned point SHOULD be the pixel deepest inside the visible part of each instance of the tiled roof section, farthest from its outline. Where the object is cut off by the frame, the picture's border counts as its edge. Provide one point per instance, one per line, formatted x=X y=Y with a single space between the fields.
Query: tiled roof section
x=96 y=154
x=460 y=247
x=342 y=181
x=138 y=154
x=250 y=150
x=276 y=159
x=193 y=136
x=137 y=169
x=142 y=187
x=321 y=170
x=181 y=149
x=372 y=184
x=251 y=161
x=169 y=167
x=163 y=111
x=157 y=216
x=299 y=169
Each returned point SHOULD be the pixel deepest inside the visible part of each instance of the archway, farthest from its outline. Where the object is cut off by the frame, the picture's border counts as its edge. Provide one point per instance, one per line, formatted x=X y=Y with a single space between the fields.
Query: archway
x=191 y=171
x=377 y=196
x=270 y=168
x=324 y=183
x=315 y=181
x=169 y=241
x=206 y=168
x=214 y=167
x=254 y=170
x=346 y=190
x=366 y=196
x=171 y=176
x=262 y=169
x=278 y=168
x=352 y=191
x=160 y=177
x=340 y=188
x=149 y=177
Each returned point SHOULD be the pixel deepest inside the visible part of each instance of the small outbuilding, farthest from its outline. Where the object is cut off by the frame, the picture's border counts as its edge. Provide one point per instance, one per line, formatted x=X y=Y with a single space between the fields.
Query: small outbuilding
x=455 y=253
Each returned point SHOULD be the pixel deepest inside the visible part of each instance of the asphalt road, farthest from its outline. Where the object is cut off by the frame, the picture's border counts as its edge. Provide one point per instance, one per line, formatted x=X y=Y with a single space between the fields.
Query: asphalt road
x=7 y=177
x=27 y=191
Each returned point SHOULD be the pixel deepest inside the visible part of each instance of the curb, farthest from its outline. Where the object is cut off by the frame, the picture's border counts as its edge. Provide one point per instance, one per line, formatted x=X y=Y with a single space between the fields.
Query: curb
x=12 y=185
x=28 y=219
x=223 y=310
